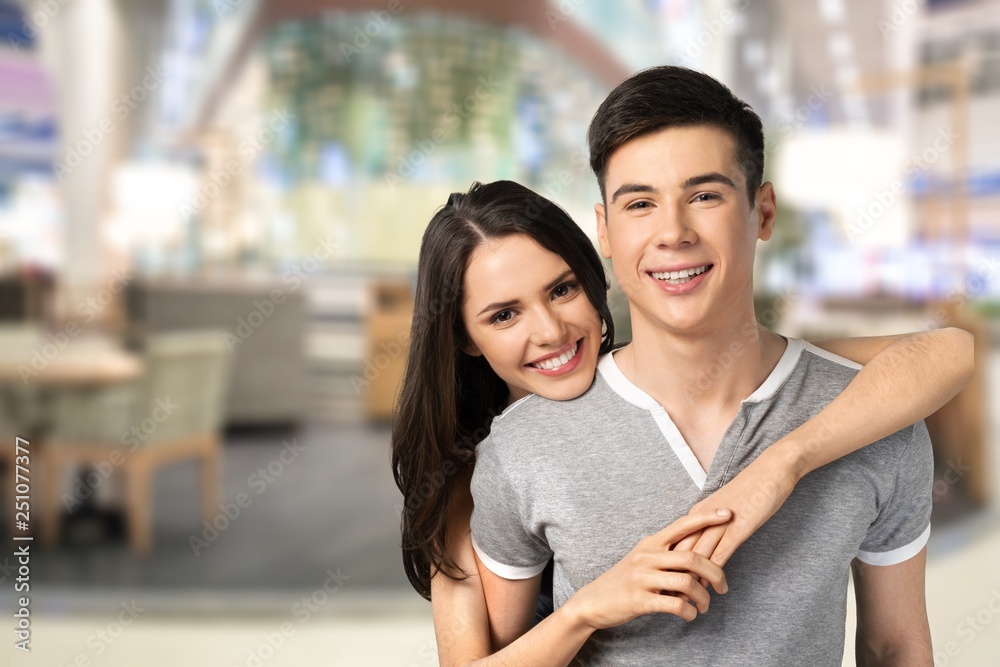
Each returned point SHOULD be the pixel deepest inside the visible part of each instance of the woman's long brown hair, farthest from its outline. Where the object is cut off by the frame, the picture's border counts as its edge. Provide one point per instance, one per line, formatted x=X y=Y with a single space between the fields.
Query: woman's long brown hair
x=449 y=398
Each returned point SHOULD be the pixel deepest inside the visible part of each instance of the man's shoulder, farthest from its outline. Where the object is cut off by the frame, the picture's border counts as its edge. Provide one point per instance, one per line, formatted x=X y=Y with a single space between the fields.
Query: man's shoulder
x=821 y=375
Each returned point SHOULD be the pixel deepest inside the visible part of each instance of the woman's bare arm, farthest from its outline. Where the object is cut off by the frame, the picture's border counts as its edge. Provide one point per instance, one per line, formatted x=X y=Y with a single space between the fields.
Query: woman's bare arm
x=905 y=378
x=464 y=630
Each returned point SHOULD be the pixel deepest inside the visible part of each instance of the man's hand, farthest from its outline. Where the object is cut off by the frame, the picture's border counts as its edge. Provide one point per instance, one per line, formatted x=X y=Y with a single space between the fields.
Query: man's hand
x=754 y=495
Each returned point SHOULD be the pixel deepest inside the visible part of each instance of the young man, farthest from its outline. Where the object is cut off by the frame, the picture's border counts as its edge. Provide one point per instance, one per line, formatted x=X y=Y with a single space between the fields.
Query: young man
x=700 y=392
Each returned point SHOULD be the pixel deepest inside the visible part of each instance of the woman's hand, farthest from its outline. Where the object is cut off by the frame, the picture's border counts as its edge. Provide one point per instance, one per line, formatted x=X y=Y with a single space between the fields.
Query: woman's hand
x=754 y=495
x=636 y=584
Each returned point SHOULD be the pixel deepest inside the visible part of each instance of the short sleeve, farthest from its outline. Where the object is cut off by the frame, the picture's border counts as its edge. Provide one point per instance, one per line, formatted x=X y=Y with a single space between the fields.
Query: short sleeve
x=903 y=524
x=501 y=540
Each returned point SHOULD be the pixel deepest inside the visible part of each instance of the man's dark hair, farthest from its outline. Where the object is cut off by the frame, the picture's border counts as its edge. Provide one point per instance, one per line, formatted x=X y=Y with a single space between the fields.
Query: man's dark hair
x=669 y=96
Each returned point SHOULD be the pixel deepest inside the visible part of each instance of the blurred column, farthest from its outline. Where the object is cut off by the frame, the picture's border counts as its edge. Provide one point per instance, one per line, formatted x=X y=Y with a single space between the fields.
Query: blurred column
x=82 y=44
x=99 y=51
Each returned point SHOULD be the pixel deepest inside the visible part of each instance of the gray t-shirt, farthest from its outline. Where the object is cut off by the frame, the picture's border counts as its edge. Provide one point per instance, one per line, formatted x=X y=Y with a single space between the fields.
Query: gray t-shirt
x=584 y=480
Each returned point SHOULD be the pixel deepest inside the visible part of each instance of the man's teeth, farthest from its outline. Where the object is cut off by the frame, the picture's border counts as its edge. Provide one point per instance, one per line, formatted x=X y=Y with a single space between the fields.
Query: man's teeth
x=556 y=362
x=679 y=277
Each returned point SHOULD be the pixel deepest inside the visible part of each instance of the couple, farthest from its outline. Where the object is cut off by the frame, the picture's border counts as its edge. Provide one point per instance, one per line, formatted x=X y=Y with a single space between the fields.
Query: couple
x=538 y=466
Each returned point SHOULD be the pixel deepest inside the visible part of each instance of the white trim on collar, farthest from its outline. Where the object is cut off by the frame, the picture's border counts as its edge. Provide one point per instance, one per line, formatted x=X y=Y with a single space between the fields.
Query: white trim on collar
x=622 y=386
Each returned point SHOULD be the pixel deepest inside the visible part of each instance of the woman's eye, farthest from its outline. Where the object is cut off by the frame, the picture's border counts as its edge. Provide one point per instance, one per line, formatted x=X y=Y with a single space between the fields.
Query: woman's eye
x=502 y=317
x=564 y=290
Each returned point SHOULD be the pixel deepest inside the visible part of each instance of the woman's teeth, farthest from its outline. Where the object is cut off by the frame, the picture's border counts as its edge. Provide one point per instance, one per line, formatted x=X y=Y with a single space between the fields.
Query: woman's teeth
x=680 y=277
x=556 y=362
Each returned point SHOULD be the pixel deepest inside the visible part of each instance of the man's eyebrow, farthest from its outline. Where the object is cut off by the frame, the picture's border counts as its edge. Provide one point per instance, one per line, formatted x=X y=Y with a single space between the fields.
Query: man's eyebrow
x=507 y=304
x=629 y=188
x=711 y=177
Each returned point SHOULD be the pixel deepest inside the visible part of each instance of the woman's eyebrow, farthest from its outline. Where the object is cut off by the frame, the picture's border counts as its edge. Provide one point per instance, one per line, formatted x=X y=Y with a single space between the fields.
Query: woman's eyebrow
x=507 y=304
x=561 y=277
x=498 y=305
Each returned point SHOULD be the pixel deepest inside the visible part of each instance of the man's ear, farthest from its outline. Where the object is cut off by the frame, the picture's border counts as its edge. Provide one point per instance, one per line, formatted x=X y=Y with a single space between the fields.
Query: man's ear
x=602 y=230
x=767 y=211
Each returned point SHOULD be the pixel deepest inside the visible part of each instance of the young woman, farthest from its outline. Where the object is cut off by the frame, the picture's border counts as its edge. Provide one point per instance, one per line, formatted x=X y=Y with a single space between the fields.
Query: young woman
x=512 y=299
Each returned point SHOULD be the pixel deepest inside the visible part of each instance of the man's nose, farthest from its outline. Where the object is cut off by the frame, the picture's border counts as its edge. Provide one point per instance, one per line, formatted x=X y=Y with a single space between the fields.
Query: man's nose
x=673 y=229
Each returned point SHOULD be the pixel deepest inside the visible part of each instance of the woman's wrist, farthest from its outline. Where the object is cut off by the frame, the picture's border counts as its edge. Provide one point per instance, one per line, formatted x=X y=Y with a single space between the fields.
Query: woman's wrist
x=577 y=614
x=792 y=456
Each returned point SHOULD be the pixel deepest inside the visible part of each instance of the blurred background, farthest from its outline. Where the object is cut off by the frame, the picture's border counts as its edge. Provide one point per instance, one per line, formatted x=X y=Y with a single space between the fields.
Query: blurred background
x=210 y=213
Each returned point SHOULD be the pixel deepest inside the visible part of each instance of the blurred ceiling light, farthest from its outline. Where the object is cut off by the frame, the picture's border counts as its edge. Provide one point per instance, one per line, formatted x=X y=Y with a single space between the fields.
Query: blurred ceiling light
x=148 y=200
x=833 y=11
x=845 y=171
x=847 y=76
x=769 y=82
x=840 y=46
x=754 y=53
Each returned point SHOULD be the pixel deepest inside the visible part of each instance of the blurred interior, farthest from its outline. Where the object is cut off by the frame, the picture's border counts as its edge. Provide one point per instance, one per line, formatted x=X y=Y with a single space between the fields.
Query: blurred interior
x=210 y=212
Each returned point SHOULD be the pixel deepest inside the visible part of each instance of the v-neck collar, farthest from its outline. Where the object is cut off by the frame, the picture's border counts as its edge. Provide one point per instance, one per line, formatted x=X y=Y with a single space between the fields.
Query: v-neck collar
x=624 y=387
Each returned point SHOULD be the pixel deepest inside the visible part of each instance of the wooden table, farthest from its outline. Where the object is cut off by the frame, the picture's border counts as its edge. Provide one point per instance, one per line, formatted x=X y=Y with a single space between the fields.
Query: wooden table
x=30 y=359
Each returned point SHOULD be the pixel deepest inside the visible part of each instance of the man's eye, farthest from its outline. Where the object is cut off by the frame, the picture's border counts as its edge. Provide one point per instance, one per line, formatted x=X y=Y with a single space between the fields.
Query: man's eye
x=706 y=196
x=637 y=206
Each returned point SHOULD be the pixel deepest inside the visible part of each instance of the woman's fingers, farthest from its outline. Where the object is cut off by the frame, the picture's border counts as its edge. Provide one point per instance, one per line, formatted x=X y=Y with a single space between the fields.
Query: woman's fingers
x=693 y=563
x=682 y=583
x=670 y=604
x=708 y=541
x=687 y=543
x=686 y=525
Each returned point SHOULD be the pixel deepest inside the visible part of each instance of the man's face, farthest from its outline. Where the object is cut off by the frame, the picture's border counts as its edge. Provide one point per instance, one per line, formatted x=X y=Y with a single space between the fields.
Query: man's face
x=679 y=229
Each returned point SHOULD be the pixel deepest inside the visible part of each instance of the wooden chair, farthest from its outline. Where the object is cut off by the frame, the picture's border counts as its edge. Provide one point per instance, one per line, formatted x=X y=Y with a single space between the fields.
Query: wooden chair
x=174 y=411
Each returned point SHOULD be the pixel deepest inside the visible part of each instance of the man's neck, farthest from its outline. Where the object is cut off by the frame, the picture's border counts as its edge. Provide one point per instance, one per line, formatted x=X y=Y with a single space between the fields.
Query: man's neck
x=700 y=379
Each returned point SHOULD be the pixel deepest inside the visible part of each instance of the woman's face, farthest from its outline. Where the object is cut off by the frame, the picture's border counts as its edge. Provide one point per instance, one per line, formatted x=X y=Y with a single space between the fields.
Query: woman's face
x=526 y=312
